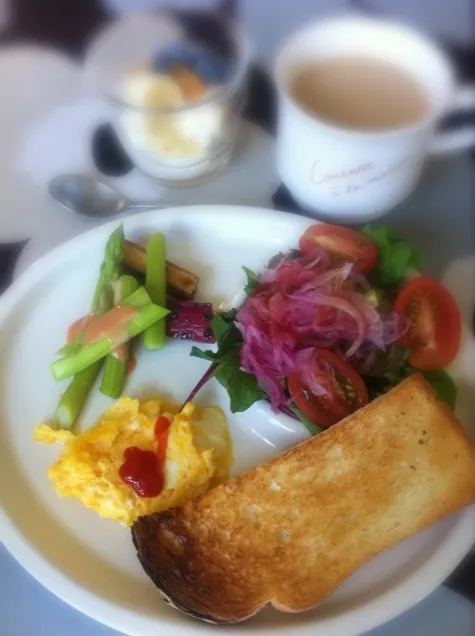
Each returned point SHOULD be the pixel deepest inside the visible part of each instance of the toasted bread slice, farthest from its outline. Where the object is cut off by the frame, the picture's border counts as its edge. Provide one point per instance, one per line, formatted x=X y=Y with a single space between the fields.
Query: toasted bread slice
x=293 y=529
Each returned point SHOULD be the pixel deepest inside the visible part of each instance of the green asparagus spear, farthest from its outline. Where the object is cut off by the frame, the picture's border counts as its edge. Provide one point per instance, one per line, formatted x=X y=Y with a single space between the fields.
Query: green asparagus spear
x=74 y=398
x=137 y=300
x=110 y=271
x=115 y=369
x=69 y=347
x=146 y=315
x=155 y=284
x=115 y=372
x=125 y=287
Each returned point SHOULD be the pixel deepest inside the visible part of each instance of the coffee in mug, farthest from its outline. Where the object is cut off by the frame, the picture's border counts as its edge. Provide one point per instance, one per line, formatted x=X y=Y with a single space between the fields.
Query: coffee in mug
x=359 y=102
x=361 y=93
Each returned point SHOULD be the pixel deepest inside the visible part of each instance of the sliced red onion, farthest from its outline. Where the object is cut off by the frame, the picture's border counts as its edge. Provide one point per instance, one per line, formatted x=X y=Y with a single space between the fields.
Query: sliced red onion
x=334 y=278
x=306 y=370
x=360 y=280
x=316 y=258
x=302 y=305
x=343 y=305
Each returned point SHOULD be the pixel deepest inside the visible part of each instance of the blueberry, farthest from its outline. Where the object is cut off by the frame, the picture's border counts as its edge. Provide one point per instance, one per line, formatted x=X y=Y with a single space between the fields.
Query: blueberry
x=177 y=53
x=212 y=68
x=209 y=66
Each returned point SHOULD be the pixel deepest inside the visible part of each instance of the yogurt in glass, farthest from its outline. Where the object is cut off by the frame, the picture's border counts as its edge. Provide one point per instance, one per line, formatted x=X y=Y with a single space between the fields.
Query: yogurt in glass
x=175 y=124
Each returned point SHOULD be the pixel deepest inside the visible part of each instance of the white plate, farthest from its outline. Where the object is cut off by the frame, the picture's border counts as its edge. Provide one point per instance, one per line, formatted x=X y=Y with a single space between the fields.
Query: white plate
x=90 y=562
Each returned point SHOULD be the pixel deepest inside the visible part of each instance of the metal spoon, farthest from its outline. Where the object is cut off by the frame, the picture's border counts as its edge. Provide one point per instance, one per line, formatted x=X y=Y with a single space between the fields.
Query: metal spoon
x=86 y=195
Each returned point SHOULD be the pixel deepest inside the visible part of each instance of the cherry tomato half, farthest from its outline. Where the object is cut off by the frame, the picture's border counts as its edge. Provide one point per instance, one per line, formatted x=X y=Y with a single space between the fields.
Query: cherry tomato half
x=436 y=327
x=346 y=390
x=342 y=245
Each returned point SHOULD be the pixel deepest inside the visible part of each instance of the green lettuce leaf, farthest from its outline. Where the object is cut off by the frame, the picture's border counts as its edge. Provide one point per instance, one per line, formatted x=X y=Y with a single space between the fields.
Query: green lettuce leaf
x=396 y=256
x=443 y=385
x=242 y=387
x=252 y=280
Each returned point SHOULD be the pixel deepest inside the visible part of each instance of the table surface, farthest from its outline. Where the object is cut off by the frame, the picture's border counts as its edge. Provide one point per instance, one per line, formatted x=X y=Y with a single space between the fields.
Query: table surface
x=438 y=218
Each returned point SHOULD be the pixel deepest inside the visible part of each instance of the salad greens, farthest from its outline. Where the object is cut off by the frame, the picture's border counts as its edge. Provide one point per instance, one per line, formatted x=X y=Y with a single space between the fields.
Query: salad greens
x=252 y=280
x=242 y=387
x=396 y=256
x=312 y=428
x=289 y=255
x=386 y=370
x=439 y=380
x=443 y=385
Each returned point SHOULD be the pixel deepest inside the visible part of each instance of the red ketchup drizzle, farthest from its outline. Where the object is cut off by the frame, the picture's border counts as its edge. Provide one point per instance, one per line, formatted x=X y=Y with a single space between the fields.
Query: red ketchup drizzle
x=78 y=327
x=144 y=470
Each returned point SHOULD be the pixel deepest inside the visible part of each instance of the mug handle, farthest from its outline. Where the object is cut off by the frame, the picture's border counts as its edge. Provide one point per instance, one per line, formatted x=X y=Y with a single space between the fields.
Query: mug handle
x=463 y=136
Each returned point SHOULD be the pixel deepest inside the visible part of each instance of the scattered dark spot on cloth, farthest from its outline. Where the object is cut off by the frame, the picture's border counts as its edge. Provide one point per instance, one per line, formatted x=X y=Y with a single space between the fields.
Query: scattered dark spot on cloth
x=209 y=28
x=64 y=25
x=9 y=254
x=261 y=107
x=108 y=153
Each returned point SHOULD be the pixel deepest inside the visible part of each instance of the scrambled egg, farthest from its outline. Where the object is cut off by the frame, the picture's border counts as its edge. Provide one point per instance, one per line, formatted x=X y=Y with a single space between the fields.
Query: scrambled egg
x=198 y=457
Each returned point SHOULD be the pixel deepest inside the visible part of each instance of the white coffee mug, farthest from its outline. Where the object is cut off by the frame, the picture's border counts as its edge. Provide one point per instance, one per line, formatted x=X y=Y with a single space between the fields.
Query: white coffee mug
x=352 y=176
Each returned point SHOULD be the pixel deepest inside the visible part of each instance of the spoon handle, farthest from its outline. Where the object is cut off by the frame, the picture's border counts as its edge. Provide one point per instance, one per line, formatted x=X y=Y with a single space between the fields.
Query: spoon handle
x=146 y=206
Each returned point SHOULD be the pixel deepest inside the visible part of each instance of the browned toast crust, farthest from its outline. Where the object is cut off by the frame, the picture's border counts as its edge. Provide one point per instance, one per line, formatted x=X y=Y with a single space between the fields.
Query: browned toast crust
x=293 y=529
